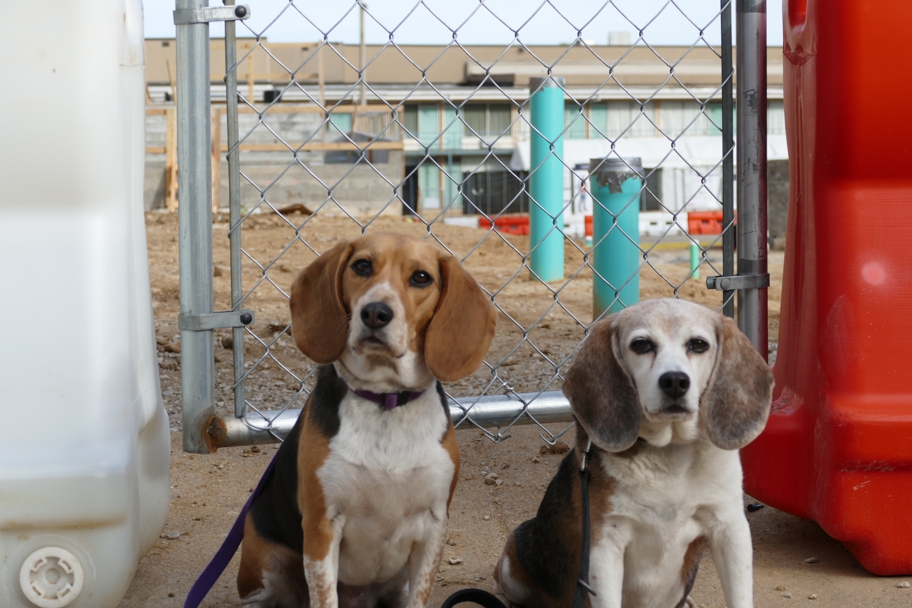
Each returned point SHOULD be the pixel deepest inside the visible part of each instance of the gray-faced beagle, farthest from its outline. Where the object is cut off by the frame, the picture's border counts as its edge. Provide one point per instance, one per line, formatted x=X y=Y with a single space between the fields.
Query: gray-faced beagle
x=667 y=391
x=356 y=512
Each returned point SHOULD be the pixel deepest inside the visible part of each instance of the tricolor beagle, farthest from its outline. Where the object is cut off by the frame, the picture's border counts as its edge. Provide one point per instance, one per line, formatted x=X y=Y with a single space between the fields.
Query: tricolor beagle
x=356 y=513
x=667 y=391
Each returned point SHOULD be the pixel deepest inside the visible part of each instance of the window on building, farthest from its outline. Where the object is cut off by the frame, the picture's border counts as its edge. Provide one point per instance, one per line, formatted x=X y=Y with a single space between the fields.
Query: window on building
x=499 y=119
x=714 y=118
x=422 y=120
x=475 y=117
x=488 y=120
x=339 y=129
x=651 y=196
x=627 y=118
x=678 y=118
x=341 y=123
x=410 y=120
x=598 y=119
x=452 y=128
x=494 y=192
x=575 y=120
x=429 y=186
x=429 y=124
x=775 y=118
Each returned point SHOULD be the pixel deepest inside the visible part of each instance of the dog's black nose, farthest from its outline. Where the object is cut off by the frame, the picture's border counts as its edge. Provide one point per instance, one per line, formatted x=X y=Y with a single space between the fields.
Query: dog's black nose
x=674 y=384
x=376 y=315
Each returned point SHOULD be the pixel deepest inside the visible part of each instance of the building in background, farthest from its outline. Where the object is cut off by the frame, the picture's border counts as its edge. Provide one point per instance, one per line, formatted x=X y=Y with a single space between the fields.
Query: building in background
x=448 y=124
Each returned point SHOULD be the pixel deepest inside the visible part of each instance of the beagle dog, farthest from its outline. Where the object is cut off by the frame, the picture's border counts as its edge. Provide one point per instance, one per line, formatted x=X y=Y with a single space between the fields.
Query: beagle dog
x=356 y=512
x=667 y=391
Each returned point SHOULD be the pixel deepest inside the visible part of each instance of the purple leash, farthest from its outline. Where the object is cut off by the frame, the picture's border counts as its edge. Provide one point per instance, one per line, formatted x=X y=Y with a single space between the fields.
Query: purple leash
x=229 y=547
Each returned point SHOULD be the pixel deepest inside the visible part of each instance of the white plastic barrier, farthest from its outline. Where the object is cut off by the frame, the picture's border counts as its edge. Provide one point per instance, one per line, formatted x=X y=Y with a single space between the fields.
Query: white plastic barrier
x=657 y=223
x=467 y=221
x=84 y=443
x=652 y=223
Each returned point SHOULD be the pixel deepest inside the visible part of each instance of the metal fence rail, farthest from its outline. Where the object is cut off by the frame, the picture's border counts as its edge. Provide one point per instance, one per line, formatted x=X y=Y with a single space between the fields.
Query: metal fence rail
x=325 y=142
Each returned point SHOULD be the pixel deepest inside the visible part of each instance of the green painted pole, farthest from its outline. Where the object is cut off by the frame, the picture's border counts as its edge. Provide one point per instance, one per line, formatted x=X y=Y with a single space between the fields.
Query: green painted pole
x=615 y=185
x=694 y=261
x=546 y=221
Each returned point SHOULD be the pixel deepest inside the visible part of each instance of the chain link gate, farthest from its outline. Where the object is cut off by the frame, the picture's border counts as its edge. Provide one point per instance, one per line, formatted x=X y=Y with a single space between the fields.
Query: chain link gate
x=355 y=154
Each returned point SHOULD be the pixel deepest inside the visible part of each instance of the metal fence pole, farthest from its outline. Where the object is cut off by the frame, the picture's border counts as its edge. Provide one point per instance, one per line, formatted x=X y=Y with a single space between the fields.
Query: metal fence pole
x=752 y=246
x=234 y=209
x=728 y=160
x=195 y=218
x=490 y=411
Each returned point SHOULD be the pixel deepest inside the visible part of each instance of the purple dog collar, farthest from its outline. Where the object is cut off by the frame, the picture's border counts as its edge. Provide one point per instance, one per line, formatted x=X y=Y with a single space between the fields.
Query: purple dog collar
x=389 y=401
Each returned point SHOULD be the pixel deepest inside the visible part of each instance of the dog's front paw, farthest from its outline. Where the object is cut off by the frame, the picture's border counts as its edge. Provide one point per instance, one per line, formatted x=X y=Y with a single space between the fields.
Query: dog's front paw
x=499 y=594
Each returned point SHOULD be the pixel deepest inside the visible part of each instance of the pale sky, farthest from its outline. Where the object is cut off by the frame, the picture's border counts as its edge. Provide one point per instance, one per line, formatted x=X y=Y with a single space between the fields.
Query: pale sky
x=595 y=17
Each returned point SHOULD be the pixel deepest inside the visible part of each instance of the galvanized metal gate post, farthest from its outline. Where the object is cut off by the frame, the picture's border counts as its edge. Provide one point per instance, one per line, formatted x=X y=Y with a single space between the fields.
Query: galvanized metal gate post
x=728 y=158
x=234 y=208
x=195 y=218
x=752 y=239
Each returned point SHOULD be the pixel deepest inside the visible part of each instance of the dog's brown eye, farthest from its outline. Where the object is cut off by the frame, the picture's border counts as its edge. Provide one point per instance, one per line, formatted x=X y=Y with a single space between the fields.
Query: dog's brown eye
x=698 y=346
x=362 y=268
x=421 y=278
x=641 y=346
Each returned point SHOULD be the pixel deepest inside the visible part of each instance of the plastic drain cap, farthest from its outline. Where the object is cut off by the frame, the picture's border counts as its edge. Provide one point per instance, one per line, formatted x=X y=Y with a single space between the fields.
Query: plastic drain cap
x=51 y=577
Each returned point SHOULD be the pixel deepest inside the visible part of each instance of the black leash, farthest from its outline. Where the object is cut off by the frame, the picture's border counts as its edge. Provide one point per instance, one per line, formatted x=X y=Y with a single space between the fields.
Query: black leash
x=582 y=582
x=476 y=596
x=583 y=590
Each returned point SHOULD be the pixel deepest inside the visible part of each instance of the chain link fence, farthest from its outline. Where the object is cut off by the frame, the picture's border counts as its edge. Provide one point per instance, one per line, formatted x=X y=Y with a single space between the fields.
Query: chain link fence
x=327 y=140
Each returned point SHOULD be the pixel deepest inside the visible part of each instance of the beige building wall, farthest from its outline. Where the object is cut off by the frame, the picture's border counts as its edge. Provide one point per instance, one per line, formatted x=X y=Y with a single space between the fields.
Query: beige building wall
x=582 y=66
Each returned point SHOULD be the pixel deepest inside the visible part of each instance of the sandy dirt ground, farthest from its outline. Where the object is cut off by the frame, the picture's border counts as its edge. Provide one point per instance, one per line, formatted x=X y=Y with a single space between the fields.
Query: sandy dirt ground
x=794 y=560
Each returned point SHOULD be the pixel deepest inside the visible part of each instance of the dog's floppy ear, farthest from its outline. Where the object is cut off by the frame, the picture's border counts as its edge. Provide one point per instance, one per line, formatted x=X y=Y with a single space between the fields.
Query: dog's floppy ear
x=319 y=321
x=600 y=391
x=736 y=402
x=459 y=334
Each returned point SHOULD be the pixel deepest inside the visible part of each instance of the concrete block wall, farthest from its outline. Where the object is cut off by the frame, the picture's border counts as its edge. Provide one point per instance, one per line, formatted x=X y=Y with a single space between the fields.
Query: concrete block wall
x=154 y=179
x=361 y=189
x=283 y=178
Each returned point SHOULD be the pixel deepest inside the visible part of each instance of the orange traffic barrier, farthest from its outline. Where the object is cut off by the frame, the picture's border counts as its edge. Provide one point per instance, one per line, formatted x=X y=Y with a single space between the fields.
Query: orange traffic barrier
x=704 y=222
x=508 y=224
x=838 y=445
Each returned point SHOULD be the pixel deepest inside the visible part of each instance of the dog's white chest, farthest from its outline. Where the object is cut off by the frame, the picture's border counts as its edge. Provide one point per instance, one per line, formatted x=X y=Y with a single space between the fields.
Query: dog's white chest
x=653 y=562
x=663 y=502
x=386 y=482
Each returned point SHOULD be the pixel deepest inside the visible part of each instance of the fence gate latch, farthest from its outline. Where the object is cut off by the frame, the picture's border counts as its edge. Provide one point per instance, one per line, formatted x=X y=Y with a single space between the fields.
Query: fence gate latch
x=741 y=281
x=215 y=320
x=184 y=16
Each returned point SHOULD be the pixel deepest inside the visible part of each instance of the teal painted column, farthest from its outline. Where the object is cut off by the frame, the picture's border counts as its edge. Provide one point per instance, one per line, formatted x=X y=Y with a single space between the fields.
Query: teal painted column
x=695 y=261
x=546 y=183
x=615 y=186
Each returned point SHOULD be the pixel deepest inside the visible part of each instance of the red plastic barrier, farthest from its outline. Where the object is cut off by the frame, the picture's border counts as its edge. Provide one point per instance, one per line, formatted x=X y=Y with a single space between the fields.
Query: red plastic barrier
x=704 y=222
x=838 y=446
x=508 y=224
